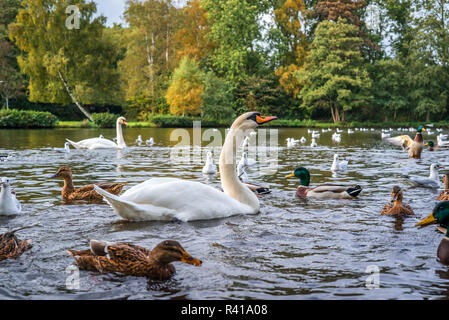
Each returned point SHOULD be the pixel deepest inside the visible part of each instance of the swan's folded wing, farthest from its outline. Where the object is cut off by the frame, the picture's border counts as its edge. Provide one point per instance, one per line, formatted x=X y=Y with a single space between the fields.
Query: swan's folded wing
x=403 y=141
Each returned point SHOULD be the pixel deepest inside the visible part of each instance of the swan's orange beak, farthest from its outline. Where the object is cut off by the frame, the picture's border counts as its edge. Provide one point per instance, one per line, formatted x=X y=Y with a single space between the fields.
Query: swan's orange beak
x=125 y=123
x=263 y=119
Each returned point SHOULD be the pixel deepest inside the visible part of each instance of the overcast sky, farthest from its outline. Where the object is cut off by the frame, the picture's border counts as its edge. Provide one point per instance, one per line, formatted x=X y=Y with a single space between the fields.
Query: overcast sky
x=113 y=10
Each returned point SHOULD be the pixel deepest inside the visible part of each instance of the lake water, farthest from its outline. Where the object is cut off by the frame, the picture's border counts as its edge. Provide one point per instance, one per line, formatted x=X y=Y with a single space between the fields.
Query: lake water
x=292 y=249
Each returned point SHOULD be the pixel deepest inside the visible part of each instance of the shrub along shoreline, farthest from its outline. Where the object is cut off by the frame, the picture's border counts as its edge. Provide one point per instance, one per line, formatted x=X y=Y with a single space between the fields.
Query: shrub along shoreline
x=37 y=119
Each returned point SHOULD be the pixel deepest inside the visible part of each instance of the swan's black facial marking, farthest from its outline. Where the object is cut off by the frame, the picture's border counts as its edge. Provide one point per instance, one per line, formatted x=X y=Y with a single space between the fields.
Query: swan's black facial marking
x=254 y=117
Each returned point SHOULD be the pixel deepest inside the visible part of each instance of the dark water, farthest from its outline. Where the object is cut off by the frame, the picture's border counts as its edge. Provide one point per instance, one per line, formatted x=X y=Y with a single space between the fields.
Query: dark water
x=293 y=249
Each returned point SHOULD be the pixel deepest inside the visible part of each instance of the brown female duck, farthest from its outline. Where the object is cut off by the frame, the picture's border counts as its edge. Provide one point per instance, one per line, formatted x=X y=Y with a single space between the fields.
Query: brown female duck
x=86 y=192
x=133 y=260
x=396 y=206
x=414 y=147
x=444 y=195
x=12 y=247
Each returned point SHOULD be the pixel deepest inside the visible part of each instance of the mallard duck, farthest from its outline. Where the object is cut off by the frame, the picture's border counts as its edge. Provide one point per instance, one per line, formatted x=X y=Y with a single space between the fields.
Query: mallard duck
x=9 y=205
x=12 y=247
x=396 y=206
x=444 y=195
x=414 y=147
x=433 y=181
x=186 y=200
x=324 y=191
x=431 y=146
x=86 y=192
x=133 y=260
x=101 y=143
x=440 y=215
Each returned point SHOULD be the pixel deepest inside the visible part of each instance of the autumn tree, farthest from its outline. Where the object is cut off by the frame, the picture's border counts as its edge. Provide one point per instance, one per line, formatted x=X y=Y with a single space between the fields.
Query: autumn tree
x=292 y=44
x=334 y=75
x=184 y=94
x=65 y=65
x=192 y=39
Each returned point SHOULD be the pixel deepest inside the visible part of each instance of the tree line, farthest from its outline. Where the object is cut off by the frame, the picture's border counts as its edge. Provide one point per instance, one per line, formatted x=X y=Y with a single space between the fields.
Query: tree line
x=344 y=60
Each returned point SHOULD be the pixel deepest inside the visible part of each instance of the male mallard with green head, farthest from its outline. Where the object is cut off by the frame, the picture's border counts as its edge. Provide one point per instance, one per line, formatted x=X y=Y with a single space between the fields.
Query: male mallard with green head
x=396 y=206
x=440 y=215
x=133 y=260
x=432 y=147
x=324 y=191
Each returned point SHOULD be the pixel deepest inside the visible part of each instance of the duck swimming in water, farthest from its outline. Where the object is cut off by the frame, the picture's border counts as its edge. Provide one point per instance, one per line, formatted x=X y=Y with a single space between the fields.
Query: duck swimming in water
x=440 y=215
x=12 y=247
x=87 y=193
x=444 y=195
x=133 y=260
x=324 y=191
x=396 y=206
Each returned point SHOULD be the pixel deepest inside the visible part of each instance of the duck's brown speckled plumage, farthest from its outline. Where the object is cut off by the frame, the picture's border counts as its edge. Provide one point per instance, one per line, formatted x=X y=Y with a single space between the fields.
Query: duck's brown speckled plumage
x=444 y=195
x=133 y=260
x=86 y=193
x=396 y=206
x=12 y=247
x=416 y=147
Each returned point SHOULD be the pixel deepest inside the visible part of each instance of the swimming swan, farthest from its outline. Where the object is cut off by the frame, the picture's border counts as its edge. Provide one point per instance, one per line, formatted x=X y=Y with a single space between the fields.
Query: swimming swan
x=101 y=143
x=169 y=198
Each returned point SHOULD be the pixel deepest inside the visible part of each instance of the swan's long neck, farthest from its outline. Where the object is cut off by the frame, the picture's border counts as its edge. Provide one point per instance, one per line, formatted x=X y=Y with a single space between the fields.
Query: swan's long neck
x=229 y=181
x=120 y=141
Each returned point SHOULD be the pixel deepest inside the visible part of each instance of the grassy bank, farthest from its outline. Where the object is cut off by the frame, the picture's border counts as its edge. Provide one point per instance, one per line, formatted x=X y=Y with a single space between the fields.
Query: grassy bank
x=280 y=123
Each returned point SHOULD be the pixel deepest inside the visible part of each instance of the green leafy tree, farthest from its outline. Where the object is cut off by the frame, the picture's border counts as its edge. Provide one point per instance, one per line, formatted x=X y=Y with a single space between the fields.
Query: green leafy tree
x=334 y=75
x=184 y=95
x=217 y=98
x=389 y=88
x=65 y=64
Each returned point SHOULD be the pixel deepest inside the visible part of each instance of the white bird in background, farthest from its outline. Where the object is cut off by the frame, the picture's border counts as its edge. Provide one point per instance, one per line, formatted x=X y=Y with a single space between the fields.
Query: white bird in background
x=66 y=148
x=101 y=137
x=245 y=143
x=149 y=142
x=9 y=205
x=385 y=135
x=336 y=137
x=350 y=131
x=433 y=181
x=139 y=140
x=339 y=165
x=313 y=144
x=339 y=131
x=439 y=130
x=291 y=142
x=245 y=161
x=209 y=167
x=315 y=134
x=241 y=173
x=303 y=140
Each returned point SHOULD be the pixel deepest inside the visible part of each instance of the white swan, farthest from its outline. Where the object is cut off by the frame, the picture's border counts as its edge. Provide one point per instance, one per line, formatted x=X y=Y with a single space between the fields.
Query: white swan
x=339 y=165
x=433 y=181
x=139 y=140
x=336 y=137
x=9 y=205
x=303 y=140
x=101 y=143
x=169 y=198
x=313 y=144
x=209 y=167
x=245 y=161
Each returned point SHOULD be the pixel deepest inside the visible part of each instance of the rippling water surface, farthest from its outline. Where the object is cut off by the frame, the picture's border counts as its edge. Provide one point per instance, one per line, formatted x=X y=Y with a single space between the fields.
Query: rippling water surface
x=292 y=249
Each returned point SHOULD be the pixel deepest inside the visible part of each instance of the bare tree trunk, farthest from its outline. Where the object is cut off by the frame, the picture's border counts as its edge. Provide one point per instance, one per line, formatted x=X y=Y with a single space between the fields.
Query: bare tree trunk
x=428 y=116
x=150 y=59
x=332 y=111
x=69 y=91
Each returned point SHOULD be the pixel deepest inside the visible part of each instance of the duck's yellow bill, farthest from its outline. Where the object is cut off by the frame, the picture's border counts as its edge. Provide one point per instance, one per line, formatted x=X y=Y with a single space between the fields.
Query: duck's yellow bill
x=426 y=144
x=430 y=219
x=187 y=258
x=290 y=175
